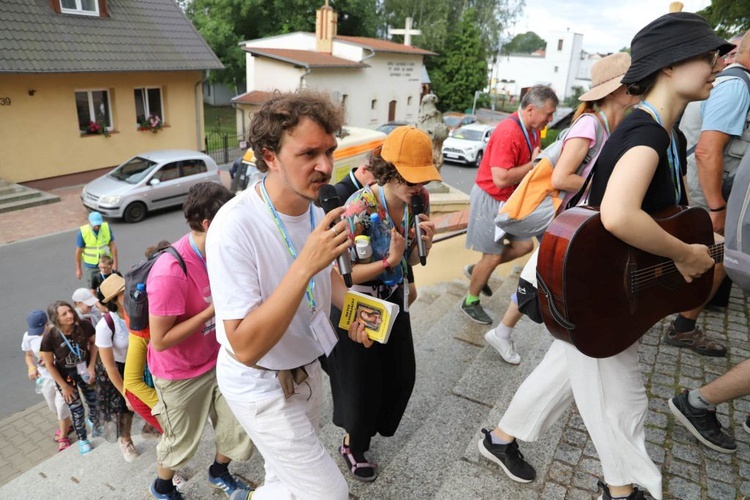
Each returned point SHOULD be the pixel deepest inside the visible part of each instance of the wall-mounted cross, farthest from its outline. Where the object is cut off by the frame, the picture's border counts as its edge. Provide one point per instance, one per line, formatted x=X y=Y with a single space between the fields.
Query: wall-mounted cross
x=407 y=32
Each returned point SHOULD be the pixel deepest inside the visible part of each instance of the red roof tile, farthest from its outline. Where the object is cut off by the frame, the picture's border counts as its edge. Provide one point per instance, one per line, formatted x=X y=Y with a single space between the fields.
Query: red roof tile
x=256 y=97
x=379 y=45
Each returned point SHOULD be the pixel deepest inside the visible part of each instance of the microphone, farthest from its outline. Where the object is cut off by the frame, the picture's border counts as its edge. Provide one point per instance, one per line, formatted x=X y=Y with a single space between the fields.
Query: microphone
x=417 y=207
x=329 y=200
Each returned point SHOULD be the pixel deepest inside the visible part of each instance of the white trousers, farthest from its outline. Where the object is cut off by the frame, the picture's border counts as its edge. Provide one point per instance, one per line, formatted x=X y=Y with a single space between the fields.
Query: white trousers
x=285 y=431
x=611 y=399
x=55 y=401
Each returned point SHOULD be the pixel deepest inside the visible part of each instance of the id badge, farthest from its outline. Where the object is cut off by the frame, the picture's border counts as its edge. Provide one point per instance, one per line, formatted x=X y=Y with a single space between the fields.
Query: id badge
x=81 y=368
x=323 y=331
x=406 y=297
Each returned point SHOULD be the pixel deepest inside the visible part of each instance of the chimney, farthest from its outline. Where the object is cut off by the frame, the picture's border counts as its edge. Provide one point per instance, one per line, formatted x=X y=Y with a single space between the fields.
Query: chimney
x=326 y=21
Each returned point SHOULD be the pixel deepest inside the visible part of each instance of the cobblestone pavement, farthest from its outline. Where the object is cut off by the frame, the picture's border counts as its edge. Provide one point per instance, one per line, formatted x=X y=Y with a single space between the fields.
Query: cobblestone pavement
x=26 y=439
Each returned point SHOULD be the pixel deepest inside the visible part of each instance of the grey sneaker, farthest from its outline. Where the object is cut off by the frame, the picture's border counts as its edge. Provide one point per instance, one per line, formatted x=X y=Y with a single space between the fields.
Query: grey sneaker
x=486 y=288
x=475 y=312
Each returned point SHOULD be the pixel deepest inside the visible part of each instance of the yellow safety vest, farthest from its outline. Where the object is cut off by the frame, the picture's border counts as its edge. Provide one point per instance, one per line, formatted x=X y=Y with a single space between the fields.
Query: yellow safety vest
x=95 y=245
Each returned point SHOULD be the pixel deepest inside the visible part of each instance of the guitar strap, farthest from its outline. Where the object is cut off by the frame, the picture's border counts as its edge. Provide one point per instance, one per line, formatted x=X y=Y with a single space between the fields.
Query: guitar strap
x=577 y=198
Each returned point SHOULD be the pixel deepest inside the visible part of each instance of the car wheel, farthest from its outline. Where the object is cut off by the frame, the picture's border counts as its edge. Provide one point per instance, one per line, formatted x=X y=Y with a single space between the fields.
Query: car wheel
x=478 y=161
x=135 y=212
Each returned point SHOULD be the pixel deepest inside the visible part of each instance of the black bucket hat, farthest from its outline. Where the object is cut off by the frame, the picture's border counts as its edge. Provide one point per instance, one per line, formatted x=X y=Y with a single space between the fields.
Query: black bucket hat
x=669 y=39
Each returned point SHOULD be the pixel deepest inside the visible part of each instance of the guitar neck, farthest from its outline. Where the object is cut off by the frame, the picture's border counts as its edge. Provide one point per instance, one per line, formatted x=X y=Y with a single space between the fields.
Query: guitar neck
x=717 y=252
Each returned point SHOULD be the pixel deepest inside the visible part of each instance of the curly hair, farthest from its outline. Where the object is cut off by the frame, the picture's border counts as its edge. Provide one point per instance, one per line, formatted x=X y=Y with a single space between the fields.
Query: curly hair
x=283 y=112
x=203 y=201
x=383 y=170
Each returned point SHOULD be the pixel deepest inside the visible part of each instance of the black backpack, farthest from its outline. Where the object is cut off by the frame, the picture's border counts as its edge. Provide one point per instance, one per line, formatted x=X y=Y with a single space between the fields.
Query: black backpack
x=136 y=307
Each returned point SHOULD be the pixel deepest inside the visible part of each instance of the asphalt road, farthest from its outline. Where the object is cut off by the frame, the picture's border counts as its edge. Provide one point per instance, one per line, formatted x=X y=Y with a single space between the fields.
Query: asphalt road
x=39 y=271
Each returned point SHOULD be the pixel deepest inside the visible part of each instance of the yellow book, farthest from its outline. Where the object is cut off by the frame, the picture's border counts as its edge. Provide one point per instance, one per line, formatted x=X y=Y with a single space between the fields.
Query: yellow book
x=377 y=315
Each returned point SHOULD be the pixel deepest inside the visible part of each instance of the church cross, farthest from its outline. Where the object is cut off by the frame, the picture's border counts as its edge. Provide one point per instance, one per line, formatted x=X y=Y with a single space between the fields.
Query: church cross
x=407 y=31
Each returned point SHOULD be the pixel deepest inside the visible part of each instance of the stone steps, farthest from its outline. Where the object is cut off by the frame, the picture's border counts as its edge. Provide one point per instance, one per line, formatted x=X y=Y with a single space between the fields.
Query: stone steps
x=17 y=197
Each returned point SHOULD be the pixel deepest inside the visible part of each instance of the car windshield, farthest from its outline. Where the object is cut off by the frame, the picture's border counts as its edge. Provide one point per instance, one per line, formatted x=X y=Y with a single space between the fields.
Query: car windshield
x=452 y=121
x=133 y=171
x=386 y=129
x=467 y=134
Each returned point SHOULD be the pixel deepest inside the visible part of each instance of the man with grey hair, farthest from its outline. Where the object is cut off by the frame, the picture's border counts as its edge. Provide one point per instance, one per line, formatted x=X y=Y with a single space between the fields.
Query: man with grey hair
x=729 y=57
x=509 y=156
x=718 y=135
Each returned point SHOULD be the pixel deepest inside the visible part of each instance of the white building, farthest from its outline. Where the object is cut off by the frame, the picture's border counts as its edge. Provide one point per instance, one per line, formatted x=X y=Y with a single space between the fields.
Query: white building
x=375 y=80
x=562 y=65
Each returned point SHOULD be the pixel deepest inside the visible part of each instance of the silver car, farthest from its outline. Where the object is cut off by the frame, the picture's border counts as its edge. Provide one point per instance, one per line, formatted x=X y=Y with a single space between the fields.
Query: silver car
x=149 y=181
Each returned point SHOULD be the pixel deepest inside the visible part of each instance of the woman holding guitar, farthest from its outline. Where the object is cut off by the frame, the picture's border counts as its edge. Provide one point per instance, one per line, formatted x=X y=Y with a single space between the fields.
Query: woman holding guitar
x=639 y=172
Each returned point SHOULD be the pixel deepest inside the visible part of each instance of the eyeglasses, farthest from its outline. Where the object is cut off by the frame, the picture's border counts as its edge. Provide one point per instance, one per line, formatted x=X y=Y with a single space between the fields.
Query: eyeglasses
x=711 y=57
x=729 y=55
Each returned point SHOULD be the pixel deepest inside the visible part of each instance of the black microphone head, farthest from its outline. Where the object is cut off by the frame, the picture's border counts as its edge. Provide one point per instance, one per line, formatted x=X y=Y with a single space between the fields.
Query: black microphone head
x=329 y=198
x=417 y=204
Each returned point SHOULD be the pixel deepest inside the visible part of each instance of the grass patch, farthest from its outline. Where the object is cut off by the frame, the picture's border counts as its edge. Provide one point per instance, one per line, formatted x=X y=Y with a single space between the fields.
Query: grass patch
x=220 y=119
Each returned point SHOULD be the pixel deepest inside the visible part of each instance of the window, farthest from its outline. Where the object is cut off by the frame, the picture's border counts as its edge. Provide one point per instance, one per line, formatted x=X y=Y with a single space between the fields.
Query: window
x=148 y=103
x=556 y=68
x=193 y=167
x=559 y=44
x=93 y=106
x=85 y=7
x=408 y=101
x=168 y=172
x=374 y=104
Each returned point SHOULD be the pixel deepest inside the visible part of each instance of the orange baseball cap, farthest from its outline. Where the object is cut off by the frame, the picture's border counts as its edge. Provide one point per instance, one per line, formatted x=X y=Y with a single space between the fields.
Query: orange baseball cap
x=410 y=151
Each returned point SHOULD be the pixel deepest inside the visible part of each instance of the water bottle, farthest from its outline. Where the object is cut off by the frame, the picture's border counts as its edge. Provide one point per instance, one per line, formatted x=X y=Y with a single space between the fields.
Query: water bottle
x=86 y=377
x=39 y=386
x=363 y=248
x=138 y=314
x=380 y=240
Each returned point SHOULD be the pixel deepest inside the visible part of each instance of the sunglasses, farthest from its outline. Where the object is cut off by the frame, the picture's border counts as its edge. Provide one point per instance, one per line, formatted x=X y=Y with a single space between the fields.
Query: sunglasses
x=412 y=184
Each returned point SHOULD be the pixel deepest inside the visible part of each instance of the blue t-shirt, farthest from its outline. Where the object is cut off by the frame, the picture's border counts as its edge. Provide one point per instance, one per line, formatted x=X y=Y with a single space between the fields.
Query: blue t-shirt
x=726 y=108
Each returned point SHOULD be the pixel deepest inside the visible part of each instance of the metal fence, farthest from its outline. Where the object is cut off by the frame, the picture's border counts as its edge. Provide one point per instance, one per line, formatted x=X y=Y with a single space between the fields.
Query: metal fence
x=223 y=147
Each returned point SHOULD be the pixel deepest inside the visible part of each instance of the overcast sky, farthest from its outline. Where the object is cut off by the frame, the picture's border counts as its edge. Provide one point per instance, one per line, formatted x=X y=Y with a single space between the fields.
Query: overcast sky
x=606 y=25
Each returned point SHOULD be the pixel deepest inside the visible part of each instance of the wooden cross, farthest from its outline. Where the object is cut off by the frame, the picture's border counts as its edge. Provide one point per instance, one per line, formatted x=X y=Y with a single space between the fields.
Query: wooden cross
x=407 y=32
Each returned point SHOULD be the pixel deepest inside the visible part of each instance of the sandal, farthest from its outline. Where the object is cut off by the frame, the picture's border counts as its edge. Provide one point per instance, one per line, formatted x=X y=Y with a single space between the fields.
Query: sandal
x=361 y=471
x=696 y=341
x=57 y=434
x=63 y=443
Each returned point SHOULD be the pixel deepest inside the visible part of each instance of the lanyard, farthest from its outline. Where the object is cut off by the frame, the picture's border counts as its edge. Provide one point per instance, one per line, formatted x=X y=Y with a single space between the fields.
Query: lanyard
x=354 y=179
x=195 y=249
x=405 y=222
x=310 y=292
x=672 y=156
x=606 y=122
x=75 y=351
x=526 y=133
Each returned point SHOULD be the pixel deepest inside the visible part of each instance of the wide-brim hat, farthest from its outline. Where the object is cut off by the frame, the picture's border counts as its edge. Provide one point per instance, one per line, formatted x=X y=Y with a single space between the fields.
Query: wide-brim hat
x=606 y=76
x=111 y=287
x=670 y=39
x=410 y=151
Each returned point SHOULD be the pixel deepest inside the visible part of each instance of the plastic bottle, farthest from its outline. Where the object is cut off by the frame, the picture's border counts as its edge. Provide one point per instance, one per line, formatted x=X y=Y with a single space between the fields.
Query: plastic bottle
x=363 y=248
x=138 y=316
x=381 y=243
x=86 y=377
x=39 y=386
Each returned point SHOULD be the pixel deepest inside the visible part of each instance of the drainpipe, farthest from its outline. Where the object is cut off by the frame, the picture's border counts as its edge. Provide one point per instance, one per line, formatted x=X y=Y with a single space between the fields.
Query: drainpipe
x=199 y=109
x=371 y=55
x=308 y=70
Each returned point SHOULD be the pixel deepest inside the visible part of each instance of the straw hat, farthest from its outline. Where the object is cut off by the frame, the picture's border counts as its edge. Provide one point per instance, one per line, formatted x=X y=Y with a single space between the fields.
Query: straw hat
x=606 y=76
x=111 y=287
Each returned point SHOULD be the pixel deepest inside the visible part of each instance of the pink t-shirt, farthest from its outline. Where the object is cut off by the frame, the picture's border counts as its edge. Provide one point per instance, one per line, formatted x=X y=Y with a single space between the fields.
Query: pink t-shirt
x=584 y=128
x=171 y=293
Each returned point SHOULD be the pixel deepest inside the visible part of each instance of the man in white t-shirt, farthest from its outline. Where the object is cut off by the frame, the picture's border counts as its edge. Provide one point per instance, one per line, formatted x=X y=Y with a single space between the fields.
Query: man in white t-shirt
x=269 y=253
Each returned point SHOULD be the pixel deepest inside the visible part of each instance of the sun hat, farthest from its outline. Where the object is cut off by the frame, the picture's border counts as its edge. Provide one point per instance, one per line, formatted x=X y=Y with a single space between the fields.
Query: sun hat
x=410 y=151
x=669 y=39
x=95 y=218
x=606 y=76
x=111 y=287
x=36 y=321
x=84 y=295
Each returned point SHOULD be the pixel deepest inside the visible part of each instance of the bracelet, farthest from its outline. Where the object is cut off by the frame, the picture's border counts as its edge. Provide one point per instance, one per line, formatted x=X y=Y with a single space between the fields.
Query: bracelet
x=386 y=266
x=721 y=209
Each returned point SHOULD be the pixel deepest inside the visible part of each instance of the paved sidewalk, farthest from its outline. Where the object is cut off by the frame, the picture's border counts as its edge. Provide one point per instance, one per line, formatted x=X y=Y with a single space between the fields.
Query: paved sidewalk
x=26 y=439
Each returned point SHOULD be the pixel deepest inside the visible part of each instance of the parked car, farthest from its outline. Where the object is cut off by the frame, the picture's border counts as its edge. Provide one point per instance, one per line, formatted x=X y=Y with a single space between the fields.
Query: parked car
x=149 y=181
x=455 y=120
x=387 y=128
x=467 y=144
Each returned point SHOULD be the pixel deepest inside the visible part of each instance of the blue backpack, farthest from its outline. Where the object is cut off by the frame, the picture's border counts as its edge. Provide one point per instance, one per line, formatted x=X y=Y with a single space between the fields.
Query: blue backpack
x=737 y=227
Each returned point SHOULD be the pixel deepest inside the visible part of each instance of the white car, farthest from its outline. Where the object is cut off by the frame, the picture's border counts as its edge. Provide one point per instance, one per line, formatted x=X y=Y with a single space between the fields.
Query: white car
x=467 y=144
x=149 y=181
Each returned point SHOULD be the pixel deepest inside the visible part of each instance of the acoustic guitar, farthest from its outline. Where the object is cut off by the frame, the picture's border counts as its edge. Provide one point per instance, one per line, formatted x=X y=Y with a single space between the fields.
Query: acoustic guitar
x=601 y=294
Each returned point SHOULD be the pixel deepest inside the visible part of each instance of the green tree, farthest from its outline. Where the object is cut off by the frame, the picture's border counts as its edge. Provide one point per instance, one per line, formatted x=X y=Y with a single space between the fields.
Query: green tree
x=728 y=17
x=524 y=43
x=462 y=69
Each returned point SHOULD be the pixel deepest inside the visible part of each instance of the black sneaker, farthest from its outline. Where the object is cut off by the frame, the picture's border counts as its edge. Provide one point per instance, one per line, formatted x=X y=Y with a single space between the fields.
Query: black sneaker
x=486 y=288
x=702 y=424
x=476 y=312
x=606 y=495
x=508 y=458
x=746 y=424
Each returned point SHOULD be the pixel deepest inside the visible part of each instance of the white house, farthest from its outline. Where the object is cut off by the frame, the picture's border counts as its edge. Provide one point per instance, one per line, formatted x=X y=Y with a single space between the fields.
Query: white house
x=562 y=65
x=375 y=80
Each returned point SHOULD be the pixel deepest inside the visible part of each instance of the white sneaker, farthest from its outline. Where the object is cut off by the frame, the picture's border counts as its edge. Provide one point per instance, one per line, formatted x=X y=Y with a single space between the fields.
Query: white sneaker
x=504 y=347
x=178 y=481
x=128 y=451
